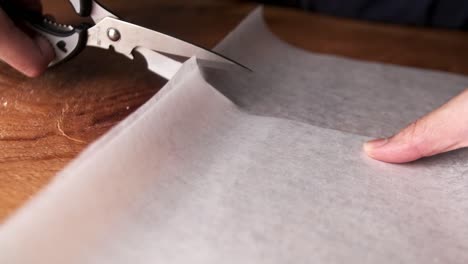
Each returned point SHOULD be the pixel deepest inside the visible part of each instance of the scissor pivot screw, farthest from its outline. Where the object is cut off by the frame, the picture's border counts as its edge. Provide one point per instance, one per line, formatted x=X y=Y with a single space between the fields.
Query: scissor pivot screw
x=113 y=34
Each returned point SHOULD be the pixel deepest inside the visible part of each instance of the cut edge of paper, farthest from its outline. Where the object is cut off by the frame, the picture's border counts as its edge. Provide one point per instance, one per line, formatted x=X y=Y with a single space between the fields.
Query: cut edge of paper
x=256 y=22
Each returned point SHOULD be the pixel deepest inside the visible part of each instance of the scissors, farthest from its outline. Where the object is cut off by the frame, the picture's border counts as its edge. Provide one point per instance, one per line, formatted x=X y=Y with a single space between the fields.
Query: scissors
x=109 y=31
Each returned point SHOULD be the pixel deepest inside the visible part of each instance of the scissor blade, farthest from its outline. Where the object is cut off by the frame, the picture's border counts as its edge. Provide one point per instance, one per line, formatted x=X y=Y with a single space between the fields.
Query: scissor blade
x=98 y=12
x=125 y=37
x=91 y=8
x=160 y=64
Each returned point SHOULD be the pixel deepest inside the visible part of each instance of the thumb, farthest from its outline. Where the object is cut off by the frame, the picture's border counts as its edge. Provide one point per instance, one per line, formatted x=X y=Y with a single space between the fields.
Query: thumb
x=30 y=55
x=443 y=130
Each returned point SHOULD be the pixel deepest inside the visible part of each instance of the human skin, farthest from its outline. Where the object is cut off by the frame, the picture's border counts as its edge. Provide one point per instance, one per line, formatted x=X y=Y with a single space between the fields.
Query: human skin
x=445 y=129
x=27 y=52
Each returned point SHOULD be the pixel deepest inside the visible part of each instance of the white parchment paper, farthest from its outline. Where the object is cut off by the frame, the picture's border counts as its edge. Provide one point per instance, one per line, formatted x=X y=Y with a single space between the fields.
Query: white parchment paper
x=192 y=177
x=362 y=98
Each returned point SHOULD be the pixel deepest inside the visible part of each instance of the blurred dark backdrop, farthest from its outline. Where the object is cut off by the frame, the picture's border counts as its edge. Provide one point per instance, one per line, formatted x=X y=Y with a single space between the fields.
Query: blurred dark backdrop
x=431 y=13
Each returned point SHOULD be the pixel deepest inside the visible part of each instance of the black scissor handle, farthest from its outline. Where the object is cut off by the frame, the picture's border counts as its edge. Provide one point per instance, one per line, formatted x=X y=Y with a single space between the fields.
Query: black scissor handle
x=82 y=7
x=67 y=41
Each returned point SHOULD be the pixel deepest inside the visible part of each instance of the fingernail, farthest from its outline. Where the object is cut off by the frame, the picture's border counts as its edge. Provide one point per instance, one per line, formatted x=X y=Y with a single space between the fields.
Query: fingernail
x=375 y=144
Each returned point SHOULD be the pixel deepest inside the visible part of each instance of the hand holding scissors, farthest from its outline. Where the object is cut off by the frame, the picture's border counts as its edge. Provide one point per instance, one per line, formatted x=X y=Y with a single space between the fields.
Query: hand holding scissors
x=107 y=31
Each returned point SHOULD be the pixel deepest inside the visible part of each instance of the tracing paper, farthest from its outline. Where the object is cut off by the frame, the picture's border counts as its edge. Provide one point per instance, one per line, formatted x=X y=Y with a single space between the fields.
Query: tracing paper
x=262 y=167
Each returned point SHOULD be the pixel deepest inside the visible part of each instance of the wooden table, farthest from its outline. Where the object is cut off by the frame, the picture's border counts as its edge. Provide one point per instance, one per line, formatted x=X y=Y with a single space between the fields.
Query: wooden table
x=46 y=122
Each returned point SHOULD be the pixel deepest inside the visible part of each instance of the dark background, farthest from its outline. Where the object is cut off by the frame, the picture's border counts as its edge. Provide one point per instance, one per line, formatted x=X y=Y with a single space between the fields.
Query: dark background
x=428 y=13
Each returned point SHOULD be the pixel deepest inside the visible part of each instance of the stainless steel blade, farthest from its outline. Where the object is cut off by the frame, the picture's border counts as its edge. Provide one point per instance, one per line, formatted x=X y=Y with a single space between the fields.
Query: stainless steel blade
x=160 y=64
x=98 y=12
x=125 y=37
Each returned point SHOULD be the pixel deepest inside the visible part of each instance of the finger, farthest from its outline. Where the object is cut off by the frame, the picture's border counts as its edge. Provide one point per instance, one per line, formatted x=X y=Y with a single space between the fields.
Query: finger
x=29 y=55
x=443 y=130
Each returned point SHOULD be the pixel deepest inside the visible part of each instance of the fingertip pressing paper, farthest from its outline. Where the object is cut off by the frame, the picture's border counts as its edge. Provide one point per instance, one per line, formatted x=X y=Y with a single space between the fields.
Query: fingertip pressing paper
x=263 y=167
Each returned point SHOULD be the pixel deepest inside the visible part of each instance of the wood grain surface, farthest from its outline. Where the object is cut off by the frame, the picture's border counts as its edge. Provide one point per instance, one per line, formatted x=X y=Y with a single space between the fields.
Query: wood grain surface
x=48 y=121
